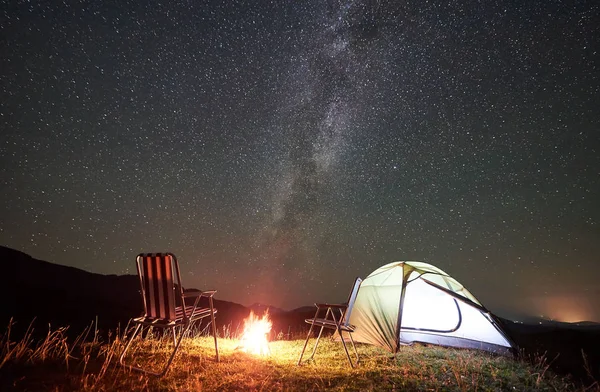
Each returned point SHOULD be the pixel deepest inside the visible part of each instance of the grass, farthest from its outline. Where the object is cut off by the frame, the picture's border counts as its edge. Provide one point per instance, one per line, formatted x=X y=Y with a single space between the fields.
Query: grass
x=56 y=363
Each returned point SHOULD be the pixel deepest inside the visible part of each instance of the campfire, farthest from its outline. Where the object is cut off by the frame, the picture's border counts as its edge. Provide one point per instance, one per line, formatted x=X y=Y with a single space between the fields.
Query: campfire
x=254 y=339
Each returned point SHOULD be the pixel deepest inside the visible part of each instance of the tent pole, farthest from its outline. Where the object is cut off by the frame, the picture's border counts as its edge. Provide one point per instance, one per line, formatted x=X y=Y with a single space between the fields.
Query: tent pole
x=406 y=270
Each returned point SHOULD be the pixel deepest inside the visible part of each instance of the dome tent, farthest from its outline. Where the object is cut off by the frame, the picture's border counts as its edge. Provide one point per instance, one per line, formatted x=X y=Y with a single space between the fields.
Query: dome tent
x=410 y=301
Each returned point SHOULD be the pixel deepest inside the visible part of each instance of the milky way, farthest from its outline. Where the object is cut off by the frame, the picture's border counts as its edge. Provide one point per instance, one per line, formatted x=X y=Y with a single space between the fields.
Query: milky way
x=315 y=125
x=281 y=149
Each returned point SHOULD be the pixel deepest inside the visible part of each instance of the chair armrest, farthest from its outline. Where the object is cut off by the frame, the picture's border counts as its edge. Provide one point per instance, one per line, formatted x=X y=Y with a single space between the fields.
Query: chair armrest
x=191 y=294
x=207 y=293
x=336 y=306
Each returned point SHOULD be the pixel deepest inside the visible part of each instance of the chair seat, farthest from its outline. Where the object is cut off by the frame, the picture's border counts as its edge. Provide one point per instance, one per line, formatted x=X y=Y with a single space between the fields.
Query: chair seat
x=198 y=313
x=326 y=323
x=165 y=322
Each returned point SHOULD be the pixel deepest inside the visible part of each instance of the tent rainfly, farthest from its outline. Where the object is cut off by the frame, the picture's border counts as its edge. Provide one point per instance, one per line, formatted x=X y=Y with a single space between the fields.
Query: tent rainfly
x=410 y=301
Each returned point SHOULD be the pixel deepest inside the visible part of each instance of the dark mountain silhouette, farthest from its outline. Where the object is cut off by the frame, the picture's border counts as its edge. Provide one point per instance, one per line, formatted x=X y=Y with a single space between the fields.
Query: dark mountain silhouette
x=306 y=309
x=565 y=346
x=588 y=324
x=260 y=309
x=63 y=296
x=66 y=296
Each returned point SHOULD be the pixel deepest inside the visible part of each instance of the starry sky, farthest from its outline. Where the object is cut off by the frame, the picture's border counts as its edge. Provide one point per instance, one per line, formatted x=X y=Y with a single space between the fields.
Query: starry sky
x=282 y=148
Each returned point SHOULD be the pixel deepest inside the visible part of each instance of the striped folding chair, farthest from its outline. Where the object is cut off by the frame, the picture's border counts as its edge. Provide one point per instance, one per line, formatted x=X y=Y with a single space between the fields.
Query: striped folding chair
x=337 y=317
x=164 y=303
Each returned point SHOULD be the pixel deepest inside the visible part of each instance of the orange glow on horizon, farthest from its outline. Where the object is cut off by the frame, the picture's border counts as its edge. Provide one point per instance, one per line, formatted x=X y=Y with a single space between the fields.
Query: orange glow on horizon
x=565 y=308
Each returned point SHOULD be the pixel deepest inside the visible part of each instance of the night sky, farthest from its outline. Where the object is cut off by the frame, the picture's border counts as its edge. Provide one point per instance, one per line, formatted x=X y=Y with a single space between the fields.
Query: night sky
x=282 y=148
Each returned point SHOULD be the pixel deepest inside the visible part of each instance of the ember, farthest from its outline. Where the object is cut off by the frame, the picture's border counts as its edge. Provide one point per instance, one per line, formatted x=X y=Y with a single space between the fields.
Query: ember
x=254 y=339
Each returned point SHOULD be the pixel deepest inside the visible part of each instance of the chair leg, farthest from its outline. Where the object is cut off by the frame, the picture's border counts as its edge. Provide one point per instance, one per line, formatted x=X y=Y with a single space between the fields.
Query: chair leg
x=354 y=347
x=317 y=343
x=214 y=328
x=345 y=348
x=305 y=343
x=122 y=357
x=176 y=341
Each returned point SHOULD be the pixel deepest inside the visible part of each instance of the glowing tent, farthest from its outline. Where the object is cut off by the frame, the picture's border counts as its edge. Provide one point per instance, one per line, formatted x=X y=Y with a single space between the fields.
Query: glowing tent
x=409 y=301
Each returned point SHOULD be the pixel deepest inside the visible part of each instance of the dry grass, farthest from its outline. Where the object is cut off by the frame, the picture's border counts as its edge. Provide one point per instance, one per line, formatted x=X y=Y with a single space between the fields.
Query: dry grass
x=87 y=364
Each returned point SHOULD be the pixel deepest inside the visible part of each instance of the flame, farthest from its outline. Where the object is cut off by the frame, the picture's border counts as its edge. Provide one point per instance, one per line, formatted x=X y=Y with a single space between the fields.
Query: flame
x=254 y=339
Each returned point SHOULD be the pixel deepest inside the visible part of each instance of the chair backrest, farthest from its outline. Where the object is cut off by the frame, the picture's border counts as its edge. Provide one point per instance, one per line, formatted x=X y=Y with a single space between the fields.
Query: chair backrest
x=158 y=272
x=351 y=300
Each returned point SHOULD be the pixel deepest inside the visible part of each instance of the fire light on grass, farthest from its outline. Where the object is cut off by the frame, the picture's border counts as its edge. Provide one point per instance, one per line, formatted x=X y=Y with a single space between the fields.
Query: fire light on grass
x=254 y=339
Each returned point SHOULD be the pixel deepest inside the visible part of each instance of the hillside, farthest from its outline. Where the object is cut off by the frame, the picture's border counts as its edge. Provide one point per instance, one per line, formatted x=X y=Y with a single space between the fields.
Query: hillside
x=67 y=296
